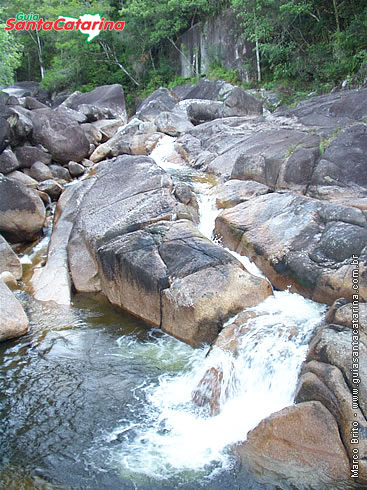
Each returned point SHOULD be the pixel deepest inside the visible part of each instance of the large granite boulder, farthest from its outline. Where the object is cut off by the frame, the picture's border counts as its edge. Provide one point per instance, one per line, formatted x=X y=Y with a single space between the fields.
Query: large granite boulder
x=340 y=175
x=334 y=374
x=59 y=134
x=301 y=243
x=172 y=124
x=298 y=446
x=22 y=213
x=235 y=191
x=136 y=250
x=315 y=149
x=331 y=111
x=205 y=101
x=13 y=320
x=161 y=100
x=247 y=148
x=105 y=102
x=9 y=260
x=136 y=138
x=21 y=125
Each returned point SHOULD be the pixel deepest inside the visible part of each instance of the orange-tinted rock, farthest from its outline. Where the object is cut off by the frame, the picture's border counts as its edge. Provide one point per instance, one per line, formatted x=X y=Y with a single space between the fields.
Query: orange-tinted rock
x=299 y=444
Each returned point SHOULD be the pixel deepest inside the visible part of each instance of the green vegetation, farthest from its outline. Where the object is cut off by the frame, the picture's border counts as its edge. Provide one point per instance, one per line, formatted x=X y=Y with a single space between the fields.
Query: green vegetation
x=299 y=45
x=326 y=142
x=10 y=56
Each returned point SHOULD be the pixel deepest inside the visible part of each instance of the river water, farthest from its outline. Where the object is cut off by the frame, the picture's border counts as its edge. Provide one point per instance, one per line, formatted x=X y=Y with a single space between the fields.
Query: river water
x=94 y=398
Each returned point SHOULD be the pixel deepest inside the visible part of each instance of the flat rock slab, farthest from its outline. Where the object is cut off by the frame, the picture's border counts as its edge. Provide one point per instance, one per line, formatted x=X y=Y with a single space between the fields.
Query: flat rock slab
x=13 y=320
x=52 y=282
x=300 y=242
x=235 y=191
x=331 y=111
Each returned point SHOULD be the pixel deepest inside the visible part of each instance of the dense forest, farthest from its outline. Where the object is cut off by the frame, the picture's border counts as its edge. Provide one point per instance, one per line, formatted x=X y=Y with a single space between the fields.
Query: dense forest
x=304 y=44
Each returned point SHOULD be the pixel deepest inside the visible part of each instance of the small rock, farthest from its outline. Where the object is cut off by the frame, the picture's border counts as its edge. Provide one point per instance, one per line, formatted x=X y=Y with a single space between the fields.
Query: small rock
x=75 y=169
x=8 y=161
x=59 y=172
x=87 y=163
x=8 y=278
x=27 y=155
x=51 y=187
x=183 y=193
x=45 y=197
x=40 y=171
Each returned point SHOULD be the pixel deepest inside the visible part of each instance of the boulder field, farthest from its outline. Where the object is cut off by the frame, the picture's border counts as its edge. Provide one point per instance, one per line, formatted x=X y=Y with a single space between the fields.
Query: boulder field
x=142 y=249
x=293 y=197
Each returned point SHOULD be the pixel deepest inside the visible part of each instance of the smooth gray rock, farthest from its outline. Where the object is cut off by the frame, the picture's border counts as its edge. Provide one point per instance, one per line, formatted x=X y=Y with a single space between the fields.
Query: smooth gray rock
x=23 y=178
x=9 y=261
x=22 y=213
x=300 y=243
x=40 y=171
x=8 y=161
x=13 y=320
x=60 y=134
x=28 y=155
x=76 y=169
x=105 y=102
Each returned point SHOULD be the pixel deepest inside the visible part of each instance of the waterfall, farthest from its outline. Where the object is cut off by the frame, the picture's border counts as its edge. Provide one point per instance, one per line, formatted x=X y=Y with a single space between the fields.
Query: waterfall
x=177 y=438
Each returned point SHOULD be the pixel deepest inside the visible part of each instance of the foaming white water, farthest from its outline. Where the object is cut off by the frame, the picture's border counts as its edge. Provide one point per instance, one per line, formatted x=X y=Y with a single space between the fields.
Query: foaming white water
x=208 y=211
x=42 y=245
x=175 y=437
x=164 y=154
x=246 y=262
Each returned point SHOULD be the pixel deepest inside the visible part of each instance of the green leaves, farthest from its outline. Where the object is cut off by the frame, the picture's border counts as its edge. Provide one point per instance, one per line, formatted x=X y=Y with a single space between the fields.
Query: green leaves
x=312 y=42
x=10 y=56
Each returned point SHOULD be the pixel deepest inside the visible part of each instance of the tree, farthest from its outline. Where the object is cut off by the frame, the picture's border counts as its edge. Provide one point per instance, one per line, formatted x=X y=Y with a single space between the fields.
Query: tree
x=10 y=56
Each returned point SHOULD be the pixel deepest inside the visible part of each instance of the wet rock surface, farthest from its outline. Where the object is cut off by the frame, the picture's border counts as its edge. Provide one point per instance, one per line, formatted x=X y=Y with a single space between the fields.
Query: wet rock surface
x=13 y=320
x=334 y=374
x=300 y=445
x=300 y=242
x=9 y=260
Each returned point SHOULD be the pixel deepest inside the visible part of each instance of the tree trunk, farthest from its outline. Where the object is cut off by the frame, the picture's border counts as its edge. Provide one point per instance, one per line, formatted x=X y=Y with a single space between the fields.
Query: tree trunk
x=258 y=60
x=336 y=13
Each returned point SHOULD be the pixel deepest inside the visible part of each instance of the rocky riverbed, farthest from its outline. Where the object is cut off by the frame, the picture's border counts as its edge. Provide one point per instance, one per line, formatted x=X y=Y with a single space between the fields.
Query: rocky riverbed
x=291 y=195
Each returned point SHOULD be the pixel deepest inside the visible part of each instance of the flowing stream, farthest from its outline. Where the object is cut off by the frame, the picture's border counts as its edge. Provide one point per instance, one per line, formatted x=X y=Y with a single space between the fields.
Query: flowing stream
x=93 y=398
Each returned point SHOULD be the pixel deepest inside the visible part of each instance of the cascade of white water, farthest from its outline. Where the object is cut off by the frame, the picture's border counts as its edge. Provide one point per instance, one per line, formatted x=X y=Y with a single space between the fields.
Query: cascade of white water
x=177 y=438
